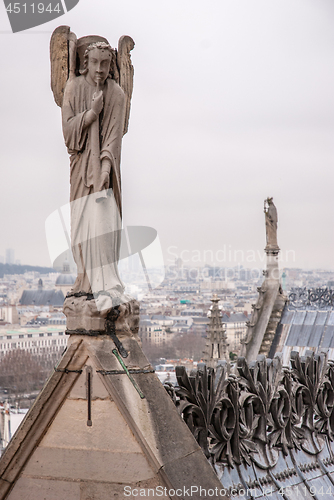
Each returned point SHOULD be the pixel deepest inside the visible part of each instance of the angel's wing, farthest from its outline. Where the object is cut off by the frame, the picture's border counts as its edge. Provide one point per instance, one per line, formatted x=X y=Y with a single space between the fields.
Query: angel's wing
x=125 y=68
x=63 y=59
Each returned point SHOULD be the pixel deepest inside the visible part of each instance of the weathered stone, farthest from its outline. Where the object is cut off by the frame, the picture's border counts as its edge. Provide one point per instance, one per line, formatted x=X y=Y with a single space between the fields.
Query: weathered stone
x=108 y=432
x=216 y=340
x=187 y=472
x=152 y=420
x=32 y=488
x=106 y=491
x=89 y=464
x=271 y=225
x=84 y=317
x=136 y=434
x=79 y=390
x=59 y=62
x=269 y=305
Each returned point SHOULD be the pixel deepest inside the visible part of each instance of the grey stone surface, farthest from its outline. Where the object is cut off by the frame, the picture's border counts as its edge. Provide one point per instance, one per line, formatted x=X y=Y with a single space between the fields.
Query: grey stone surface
x=131 y=439
x=189 y=472
x=108 y=432
x=271 y=299
x=106 y=491
x=84 y=316
x=32 y=488
x=88 y=464
x=154 y=418
x=79 y=390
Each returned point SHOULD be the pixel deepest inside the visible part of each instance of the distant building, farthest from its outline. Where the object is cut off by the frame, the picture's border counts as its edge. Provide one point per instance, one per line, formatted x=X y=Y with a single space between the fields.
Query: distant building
x=236 y=328
x=51 y=298
x=10 y=256
x=156 y=330
x=8 y=314
x=65 y=280
x=46 y=342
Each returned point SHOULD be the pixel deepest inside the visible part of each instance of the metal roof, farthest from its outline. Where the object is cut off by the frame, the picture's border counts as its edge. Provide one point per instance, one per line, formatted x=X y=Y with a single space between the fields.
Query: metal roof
x=307 y=322
x=42 y=298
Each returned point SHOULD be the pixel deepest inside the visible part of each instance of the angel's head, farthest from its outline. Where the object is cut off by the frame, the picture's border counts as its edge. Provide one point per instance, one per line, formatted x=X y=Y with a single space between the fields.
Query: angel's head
x=98 y=59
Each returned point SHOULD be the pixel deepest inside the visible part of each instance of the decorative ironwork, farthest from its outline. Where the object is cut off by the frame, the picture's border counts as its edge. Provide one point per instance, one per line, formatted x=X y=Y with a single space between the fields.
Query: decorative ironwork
x=262 y=410
x=312 y=298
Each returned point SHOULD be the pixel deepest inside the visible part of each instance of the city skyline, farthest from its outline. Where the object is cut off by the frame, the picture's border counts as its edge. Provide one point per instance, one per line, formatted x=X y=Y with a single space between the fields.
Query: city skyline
x=232 y=103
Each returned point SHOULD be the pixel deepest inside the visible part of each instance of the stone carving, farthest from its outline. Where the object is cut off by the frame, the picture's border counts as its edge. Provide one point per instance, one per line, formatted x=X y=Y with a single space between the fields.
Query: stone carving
x=92 y=82
x=216 y=343
x=264 y=410
x=271 y=224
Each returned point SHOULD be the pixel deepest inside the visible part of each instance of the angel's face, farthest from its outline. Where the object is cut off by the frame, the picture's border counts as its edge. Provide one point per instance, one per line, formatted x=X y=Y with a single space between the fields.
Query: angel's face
x=98 y=66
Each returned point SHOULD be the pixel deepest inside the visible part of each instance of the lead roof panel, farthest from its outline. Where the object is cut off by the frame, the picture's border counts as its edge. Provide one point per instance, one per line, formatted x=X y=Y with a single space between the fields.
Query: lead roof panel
x=331 y=319
x=305 y=334
x=299 y=317
x=310 y=317
x=294 y=333
x=321 y=318
x=287 y=316
x=315 y=337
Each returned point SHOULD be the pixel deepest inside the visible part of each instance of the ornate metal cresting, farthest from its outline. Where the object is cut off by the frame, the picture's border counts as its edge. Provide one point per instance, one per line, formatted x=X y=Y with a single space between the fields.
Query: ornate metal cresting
x=317 y=298
x=269 y=423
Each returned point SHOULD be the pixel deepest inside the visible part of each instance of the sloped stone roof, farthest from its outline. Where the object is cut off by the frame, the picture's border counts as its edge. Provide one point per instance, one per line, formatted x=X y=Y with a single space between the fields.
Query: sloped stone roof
x=96 y=428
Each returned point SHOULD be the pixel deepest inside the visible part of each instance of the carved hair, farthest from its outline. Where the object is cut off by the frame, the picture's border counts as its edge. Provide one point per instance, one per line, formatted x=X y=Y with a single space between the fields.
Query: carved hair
x=99 y=45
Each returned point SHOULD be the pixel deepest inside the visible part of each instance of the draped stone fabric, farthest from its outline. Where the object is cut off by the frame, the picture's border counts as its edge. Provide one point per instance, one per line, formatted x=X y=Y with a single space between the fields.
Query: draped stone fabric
x=95 y=221
x=271 y=225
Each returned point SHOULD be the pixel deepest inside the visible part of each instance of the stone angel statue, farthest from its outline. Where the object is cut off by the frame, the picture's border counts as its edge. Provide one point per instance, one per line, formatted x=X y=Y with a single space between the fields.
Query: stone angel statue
x=271 y=217
x=92 y=83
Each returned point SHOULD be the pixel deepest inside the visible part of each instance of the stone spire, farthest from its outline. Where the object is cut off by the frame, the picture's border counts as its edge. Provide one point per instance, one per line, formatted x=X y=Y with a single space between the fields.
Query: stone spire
x=216 y=344
x=268 y=308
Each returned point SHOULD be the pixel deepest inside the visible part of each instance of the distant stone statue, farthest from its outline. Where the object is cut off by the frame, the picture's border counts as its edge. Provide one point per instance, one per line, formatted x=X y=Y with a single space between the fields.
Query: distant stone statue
x=92 y=82
x=271 y=224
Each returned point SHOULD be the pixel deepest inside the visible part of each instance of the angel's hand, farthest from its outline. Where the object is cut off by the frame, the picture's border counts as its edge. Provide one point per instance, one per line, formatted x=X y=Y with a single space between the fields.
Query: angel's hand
x=97 y=102
x=104 y=181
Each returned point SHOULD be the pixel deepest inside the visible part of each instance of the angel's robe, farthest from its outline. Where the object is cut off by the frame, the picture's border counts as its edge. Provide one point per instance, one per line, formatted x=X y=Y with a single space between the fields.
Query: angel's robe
x=95 y=225
x=271 y=225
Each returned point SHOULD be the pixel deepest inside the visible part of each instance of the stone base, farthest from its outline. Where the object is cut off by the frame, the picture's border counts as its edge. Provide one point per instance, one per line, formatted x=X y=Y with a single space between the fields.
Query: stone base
x=83 y=316
x=272 y=249
x=135 y=438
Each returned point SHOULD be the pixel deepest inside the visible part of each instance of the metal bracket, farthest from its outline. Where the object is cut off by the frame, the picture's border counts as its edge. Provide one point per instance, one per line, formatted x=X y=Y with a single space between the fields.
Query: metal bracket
x=66 y=370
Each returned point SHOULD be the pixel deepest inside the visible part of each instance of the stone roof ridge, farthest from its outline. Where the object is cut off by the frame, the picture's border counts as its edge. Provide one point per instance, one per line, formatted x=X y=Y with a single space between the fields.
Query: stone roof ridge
x=146 y=419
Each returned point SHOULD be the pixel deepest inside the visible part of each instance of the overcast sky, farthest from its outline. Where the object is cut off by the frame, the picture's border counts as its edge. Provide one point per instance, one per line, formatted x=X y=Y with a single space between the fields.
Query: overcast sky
x=233 y=101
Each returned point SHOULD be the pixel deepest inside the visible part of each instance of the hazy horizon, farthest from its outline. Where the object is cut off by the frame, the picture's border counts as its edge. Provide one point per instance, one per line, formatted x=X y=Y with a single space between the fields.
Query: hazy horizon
x=232 y=103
